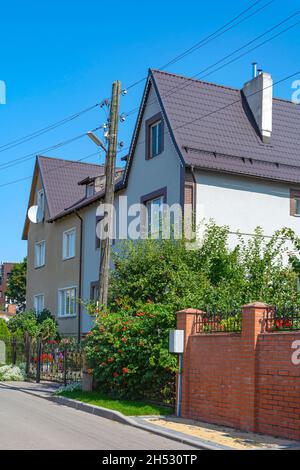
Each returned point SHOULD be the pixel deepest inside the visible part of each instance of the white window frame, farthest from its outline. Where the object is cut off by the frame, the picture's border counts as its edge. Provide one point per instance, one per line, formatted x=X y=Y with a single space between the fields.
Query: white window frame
x=90 y=189
x=158 y=139
x=64 y=244
x=39 y=199
x=61 y=312
x=150 y=215
x=36 y=245
x=37 y=296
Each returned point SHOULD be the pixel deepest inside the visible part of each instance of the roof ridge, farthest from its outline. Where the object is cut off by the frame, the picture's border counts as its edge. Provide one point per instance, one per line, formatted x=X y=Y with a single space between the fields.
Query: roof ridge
x=71 y=161
x=195 y=80
x=285 y=100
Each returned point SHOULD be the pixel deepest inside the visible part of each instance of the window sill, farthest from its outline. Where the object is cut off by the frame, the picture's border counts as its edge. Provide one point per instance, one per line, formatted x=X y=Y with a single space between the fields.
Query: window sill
x=71 y=257
x=39 y=267
x=66 y=317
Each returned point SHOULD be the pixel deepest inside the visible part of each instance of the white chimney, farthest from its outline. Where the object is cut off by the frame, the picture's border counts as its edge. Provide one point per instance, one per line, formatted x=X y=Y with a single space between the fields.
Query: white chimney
x=259 y=95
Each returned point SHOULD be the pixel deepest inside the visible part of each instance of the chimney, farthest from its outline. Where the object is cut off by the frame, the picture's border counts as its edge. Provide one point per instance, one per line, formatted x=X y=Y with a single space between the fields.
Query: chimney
x=259 y=95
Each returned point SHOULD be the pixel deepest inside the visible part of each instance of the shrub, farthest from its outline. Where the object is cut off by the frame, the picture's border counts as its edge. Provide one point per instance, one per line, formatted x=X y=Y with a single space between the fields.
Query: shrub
x=4 y=331
x=128 y=352
x=12 y=373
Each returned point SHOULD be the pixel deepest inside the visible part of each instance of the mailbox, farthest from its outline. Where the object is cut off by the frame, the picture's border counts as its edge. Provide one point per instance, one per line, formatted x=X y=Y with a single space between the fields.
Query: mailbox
x=176 y=341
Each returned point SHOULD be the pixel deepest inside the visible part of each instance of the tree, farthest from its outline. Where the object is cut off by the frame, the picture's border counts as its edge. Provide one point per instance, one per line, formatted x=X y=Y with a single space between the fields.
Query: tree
x=16 y=289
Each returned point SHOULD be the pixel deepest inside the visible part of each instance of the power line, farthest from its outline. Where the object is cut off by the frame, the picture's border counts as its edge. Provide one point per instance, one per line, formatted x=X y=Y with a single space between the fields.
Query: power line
x=188 y=79
x=19 y=160
x=42 y=131
x=211 y=37
x=68 y=163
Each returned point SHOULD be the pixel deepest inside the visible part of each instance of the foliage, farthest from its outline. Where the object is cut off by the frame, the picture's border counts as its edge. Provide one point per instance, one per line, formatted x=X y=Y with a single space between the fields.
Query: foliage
x=128 y=352
x=12 y=373
x=128 y=349
x=4 y=331
x=127 y=407
x=42 y=325
x=209 y=275
x=16 y=289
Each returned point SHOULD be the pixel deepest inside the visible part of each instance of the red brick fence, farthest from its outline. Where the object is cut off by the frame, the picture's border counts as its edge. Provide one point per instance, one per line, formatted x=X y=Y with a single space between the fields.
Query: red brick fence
x=245 y=379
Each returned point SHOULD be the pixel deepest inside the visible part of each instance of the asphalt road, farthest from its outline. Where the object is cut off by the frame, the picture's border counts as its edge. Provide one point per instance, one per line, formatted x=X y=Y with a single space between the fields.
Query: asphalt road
x=33 y=423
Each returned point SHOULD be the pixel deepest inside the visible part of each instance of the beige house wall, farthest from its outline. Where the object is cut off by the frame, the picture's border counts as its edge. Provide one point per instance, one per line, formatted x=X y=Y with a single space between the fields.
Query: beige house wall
x=56 y=273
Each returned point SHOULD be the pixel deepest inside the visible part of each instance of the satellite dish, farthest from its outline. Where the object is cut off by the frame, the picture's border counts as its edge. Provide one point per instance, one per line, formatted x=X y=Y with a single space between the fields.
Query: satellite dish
x=35 y=214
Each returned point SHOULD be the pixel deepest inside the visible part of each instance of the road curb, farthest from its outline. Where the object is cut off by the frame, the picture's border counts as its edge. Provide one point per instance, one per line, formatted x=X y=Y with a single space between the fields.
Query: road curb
x=136 y=422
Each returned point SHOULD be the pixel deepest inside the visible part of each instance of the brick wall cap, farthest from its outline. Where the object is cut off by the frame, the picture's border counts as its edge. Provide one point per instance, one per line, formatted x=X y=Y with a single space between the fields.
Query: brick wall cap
x=256 y=305
x=190 y=311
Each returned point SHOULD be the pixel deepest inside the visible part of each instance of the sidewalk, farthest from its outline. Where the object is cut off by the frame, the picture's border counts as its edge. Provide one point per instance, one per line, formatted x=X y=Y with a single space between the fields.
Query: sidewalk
x=223 y=435
x=197 y=433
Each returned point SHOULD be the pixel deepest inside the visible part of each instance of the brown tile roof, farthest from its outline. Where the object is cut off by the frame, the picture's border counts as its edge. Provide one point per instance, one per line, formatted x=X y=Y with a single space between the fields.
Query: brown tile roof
x=214 y=129
x=60 y=180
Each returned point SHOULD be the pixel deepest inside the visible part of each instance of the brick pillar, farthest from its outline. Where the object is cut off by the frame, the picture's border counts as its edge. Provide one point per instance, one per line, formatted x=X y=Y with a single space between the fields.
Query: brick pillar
x=252 y=325
x=185 y=321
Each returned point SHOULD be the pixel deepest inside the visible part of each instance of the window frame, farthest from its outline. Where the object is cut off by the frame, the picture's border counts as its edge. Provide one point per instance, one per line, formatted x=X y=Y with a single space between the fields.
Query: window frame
x=148 y=199
x=41 y=191
x=90 y=186
x=65 y=234
x=294 y=195
x=59 y=310
x=36 y=244
x=150 y=123
x=34 y=299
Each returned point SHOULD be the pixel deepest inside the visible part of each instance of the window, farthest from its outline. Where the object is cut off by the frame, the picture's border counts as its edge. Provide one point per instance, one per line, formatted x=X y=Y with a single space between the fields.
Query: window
x=154 y=136
x=69 y=239
x=155 y=139
x=39 y=303
x=39 y=249
x=94 y=294
x=154 y=214
x=41 y=201
x=67 y=302
x=90 y=189
x=295 y=203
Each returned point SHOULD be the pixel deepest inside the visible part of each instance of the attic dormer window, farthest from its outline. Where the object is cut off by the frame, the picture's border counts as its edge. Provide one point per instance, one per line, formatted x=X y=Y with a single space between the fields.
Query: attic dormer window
x=154 y=136
x=90 y=189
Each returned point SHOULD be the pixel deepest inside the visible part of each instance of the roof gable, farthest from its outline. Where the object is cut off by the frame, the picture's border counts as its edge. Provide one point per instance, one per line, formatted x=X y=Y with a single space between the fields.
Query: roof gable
x=214 y=129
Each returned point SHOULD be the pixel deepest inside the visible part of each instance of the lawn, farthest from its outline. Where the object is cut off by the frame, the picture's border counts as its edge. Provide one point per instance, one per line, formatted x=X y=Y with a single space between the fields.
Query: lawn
x=127 y=407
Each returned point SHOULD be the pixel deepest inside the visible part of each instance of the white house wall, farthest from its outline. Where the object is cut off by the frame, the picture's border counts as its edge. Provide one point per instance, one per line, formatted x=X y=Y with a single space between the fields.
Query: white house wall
x=243 y=204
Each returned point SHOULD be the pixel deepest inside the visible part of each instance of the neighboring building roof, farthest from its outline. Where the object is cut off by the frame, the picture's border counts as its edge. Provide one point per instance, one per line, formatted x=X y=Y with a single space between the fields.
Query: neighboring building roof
x=213 y=128
x=60 y=180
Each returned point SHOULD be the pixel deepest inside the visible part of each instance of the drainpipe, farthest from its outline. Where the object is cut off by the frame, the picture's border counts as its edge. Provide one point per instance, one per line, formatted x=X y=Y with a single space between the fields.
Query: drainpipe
x=80 y=277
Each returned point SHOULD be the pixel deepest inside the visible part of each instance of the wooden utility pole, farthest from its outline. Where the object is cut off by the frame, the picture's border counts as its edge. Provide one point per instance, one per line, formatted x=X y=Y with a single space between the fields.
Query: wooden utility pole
x=109 y=193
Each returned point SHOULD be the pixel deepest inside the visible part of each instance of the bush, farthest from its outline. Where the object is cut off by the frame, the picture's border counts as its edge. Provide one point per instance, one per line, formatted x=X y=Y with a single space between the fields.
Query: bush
x=4 y=331
x=128 y=352
x=12 y=373
x=42 y=325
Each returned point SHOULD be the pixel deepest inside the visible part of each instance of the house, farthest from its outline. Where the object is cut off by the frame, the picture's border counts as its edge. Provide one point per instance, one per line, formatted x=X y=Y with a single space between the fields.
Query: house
x=9 y=312
x=5 y=270
x=64 y=190
x=215 y=152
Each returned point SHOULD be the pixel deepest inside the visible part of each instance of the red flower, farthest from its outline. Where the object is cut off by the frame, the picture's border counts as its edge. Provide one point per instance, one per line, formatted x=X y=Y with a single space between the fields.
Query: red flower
x=115 y=374
x=279 y=323
x=140 y=314
x=124 y=340
x=125 y=370
x=120 y=351
x=110 y=359
x=288 y=323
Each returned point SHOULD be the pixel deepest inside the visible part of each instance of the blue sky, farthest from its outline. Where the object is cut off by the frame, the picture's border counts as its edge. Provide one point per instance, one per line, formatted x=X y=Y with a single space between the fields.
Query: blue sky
x=59 y=57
